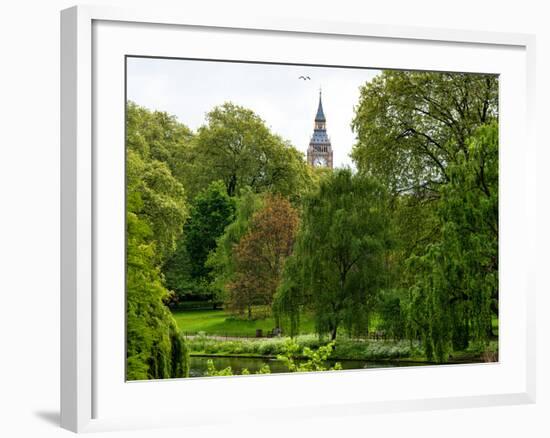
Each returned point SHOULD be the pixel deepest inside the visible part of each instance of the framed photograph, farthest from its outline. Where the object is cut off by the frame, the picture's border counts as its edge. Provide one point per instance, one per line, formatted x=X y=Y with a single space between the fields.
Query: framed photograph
x=263 y=208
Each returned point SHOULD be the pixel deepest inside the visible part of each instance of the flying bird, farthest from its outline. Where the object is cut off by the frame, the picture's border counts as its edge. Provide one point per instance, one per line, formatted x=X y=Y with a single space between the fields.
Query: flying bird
x=305 y=78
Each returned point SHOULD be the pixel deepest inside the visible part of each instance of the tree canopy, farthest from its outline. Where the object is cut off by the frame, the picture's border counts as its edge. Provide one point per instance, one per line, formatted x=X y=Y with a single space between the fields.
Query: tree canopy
x=338 y=258
x=455 y=292
x=186 y=271
x=155 y=213
x=221 y=260
x=404 y=245
x=411 y=125
x=236 y=146
x=260 y=255
x=160 y=136
x=432 y=139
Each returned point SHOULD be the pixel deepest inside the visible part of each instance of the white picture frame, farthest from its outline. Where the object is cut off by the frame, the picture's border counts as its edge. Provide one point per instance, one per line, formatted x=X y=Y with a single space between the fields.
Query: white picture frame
x=93 y=390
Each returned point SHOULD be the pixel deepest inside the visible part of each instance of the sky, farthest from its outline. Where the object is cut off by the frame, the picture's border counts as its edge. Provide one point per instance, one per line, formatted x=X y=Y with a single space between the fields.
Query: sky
x=189 y=89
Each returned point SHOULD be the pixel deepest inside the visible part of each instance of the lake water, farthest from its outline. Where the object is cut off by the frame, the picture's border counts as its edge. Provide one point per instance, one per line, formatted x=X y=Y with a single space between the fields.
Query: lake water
x=198 y=364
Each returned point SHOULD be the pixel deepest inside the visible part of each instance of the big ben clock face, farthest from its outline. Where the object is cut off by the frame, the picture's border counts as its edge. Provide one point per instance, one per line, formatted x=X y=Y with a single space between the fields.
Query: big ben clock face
x=320 y=162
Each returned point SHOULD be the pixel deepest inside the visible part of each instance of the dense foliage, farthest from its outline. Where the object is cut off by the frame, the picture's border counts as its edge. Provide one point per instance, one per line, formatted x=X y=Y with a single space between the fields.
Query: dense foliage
x=260 y=255
x=395 y=258
x=411 y=125
x=186 y=271
x=432 y=140
x=337 y=266
x=221 y=260
x=236 y=146
x=294 y=357
x=455 y=292
x=155 y=212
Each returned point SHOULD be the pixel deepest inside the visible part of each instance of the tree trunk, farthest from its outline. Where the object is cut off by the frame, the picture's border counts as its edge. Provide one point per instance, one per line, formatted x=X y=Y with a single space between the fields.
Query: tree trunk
x=333 y=333
x=232 y=185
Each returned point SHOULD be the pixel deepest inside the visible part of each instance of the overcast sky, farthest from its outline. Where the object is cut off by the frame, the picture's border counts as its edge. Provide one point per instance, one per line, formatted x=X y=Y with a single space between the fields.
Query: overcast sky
x=189 y=89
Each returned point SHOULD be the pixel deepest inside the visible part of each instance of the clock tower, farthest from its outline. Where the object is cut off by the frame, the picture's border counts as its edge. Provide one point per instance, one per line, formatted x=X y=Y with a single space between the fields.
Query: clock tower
x=319 y=152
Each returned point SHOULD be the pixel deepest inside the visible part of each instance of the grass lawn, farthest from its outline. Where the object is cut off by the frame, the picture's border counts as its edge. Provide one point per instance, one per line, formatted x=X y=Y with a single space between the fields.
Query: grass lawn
x=218 y=322
x=221 y=323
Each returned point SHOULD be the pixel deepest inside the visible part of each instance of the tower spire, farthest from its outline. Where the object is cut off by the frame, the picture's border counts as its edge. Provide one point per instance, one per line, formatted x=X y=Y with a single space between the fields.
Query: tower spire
x=320 y=117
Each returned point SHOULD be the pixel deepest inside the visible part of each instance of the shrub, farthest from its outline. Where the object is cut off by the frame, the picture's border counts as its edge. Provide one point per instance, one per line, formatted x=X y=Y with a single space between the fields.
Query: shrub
x=343 y=349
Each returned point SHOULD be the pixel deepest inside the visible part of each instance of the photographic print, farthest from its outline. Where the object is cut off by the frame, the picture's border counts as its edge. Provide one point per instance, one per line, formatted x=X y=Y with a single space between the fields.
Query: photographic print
x=287 y=218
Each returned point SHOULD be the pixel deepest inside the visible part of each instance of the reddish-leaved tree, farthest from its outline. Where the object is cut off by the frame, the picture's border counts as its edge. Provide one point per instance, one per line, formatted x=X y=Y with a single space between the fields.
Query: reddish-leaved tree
x=260 y=255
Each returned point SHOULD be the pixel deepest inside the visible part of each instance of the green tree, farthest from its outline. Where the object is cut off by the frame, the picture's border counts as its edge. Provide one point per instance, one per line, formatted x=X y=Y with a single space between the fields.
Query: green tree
x=212 y=211
x=237 y=147
x=455 y=293
x=338 y=262
x=260 y=255
x=291 y=298
x=162 y=195
x=221 y=261
x=392 y=313
x=155 y=349
x=155 y=213
x=413 y=225
x=186 y=271
x=431 y=138
x=411 y=125
x=160 y=136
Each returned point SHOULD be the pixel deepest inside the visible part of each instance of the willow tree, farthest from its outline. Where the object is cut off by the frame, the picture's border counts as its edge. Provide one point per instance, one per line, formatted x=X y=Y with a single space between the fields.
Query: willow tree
x=455 y=294
x=427 y=137
x=155 y=213
x=337 y=267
